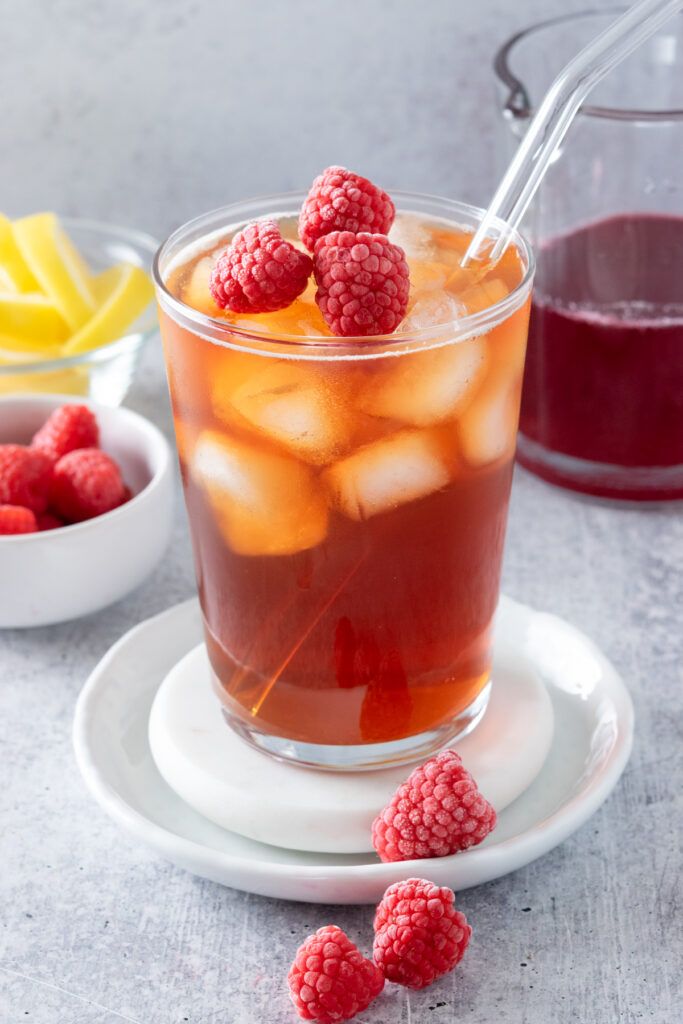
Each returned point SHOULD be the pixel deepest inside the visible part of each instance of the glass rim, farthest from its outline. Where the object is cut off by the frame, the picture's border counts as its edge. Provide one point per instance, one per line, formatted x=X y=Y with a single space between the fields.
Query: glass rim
x=518 y=105
x=337 y=347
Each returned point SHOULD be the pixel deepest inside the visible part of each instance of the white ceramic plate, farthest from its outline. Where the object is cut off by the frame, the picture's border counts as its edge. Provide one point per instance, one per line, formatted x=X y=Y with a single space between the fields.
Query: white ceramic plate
x=591 y=745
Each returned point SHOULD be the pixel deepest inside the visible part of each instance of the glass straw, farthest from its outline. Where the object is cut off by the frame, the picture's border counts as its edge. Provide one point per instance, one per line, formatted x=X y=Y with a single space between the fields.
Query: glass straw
x=554 y=116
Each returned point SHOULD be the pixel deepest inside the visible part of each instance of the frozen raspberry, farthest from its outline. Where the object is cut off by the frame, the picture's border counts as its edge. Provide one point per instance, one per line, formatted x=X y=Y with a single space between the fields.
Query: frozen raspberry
x=24 y=476
x=342 y=201
x=260 y=271
x=67 y=428
x=86 y=483
x=46 y=521
x=363 y=283
x=438 y=810
x=16 y=519
x=330 y=979
x=419 y=935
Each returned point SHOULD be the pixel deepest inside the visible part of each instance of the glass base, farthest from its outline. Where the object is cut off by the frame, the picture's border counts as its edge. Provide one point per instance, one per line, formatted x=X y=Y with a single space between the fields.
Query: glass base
x=601 y=479
x=367 y=756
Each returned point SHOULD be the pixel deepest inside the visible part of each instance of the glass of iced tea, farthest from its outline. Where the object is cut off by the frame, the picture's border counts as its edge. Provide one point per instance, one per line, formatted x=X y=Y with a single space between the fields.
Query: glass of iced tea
x=348 y=497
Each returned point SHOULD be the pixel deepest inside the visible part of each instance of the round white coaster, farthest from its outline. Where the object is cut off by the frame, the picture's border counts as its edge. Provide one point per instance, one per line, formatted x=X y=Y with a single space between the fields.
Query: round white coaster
x=241 y=789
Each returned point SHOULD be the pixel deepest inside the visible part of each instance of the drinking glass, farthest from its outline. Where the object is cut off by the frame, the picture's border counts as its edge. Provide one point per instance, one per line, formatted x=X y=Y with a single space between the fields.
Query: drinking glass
x=347 y=497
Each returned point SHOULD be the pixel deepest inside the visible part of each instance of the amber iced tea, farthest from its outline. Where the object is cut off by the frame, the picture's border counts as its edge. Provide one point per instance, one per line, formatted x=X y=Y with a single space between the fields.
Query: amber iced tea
x=348 y=498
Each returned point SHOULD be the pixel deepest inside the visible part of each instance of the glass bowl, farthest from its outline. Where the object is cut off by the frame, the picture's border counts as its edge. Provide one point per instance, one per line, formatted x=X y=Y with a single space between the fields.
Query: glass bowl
x=103 y=374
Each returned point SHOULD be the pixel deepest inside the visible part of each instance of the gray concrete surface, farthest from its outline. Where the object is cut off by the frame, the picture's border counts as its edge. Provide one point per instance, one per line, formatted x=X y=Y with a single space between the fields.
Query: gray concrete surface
x=144 y=114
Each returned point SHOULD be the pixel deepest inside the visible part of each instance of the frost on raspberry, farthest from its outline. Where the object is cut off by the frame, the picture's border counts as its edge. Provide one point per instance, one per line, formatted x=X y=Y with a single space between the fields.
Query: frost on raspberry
x=340 y=200
x=260 y=271
x=419 y=935
x=437 y=811
x=330 y=980
x=363 y=283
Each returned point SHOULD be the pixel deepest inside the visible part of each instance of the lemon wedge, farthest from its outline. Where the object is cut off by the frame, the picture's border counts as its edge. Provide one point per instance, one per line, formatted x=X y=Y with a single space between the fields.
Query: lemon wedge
x=14 y=274
x=126 y=291
x=30 y=316
x=57 y=266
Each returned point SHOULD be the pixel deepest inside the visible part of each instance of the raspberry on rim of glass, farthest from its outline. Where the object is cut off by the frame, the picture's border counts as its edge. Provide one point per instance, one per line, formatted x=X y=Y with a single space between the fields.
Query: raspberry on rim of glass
x=362 y=278
x=340 y=200
x=260 y=271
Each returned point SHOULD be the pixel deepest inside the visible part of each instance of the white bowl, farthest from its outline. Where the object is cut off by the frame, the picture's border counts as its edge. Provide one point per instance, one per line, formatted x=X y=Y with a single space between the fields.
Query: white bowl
x=74 y=570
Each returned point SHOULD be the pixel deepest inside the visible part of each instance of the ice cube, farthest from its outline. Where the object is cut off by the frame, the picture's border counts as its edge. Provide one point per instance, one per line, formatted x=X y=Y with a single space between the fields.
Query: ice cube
x=430 y=310
x=487 y=430
x=231 y=370
x=413 y=236
x=484 y=294
x=196 y=291
x=298 y=407
x=428 y=387
x=508 y=342
x=382 y=476
x=428 y=276
x=265 y=503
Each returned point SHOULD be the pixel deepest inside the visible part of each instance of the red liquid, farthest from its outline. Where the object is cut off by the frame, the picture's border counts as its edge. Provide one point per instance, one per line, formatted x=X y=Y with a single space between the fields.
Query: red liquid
x=604 y=370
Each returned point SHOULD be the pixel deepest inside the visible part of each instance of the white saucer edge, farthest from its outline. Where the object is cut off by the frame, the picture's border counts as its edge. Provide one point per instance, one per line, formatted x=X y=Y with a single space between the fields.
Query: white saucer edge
x=348 y=883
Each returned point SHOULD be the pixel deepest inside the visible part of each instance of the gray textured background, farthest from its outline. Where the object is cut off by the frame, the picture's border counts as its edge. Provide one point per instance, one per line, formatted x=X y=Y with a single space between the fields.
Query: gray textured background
x=145 y=114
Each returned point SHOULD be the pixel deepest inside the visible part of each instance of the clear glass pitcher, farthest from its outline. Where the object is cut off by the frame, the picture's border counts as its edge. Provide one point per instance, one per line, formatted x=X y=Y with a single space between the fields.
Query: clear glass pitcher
x=602 y=405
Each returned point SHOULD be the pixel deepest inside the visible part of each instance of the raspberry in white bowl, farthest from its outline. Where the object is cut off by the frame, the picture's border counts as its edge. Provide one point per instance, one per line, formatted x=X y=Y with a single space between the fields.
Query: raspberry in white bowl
x=101 y=513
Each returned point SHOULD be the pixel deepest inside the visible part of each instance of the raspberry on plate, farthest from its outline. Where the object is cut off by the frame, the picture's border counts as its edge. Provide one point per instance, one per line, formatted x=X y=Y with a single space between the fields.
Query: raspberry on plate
x=260 y=271
x=16 y=519
x=340 y=200
x=330 y=979
x=24 y=476
x=419 y=935
x=85 y=483
x=67 y=428
x=363 y=283
x=437 y=811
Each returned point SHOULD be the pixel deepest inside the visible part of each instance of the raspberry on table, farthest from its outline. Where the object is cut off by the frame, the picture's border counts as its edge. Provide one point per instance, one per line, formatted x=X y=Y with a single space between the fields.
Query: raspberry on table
x=86 y=483
x=67 y=428
x=437 y=811
x=260 y=271
x=16 y=519
x=419 y=935
x=330 y=979
x=24 y=476
x=363 y=283
x=340 y=200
